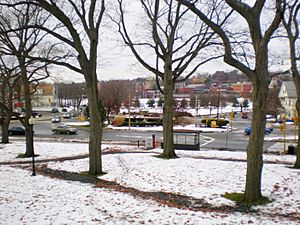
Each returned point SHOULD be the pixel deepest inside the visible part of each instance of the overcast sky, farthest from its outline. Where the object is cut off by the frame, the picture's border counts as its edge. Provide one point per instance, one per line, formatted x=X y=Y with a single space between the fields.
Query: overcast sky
x=117 y=62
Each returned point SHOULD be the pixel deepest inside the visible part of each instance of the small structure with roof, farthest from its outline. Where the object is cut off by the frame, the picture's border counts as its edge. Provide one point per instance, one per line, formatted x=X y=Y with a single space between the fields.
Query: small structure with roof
x=186 y=140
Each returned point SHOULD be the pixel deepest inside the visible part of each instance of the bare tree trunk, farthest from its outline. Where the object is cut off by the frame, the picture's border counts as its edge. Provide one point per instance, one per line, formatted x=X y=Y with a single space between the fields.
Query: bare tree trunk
x=95 y=165
x=256 y=142
x=4 y=129
x=4 y=119
x=297 y=163
x=168 y=151
x=296 y=77
x=28 y=110
x=258 y=75
x=6 y=112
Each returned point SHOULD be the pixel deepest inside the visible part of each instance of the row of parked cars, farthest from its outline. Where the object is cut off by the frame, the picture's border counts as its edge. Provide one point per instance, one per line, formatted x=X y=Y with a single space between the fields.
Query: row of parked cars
x=268 y=130
x=57 y=119
x=60 y=129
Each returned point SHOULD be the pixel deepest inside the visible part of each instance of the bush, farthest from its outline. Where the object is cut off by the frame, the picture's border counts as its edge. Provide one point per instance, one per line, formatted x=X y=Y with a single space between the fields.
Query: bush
x=182 y=114
x=184 y=121
x=118 y=120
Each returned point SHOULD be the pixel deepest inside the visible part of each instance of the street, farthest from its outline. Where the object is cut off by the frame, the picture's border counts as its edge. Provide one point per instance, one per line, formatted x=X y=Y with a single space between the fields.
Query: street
x=235 y=140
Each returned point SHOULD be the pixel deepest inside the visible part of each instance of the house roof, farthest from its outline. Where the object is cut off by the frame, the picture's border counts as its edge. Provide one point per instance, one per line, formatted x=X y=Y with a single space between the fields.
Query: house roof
x=288 y=89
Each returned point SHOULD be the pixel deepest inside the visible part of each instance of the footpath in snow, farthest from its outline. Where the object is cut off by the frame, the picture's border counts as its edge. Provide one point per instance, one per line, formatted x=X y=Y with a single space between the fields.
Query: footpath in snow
x=200 y=175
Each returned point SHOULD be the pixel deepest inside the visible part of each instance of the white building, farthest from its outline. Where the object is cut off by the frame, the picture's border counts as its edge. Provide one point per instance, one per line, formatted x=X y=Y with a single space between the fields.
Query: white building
x=288 y=97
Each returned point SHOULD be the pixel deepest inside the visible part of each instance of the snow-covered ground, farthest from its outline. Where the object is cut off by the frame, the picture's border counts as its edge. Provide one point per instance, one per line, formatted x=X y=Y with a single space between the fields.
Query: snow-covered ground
x=25 y=199
x=190 y=127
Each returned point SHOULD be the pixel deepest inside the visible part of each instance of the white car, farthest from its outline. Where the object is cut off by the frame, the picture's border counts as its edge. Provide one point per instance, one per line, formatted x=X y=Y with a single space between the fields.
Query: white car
x=67 y=116
x=56 y=119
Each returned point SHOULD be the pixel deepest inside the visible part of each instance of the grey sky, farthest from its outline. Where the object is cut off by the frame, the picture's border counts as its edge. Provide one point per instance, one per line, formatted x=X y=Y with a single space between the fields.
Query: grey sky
x=117 y=62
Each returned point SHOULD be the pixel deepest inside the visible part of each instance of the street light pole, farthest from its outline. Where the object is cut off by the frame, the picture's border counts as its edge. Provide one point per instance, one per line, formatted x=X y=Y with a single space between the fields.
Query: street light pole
x=218 y=102
x=196 y=106
x=31 y=122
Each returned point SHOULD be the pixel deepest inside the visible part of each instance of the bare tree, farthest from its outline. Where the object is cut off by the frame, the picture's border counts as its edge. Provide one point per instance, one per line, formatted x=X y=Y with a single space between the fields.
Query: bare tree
x=77 y=30
x=209 y=99
x=18 y=42
x=273 y=102
x=183 y=103
x=113 y=94
x=259 y=35
x=71 y=93
x=8 y=81
x=291 y=24
x=169 y=49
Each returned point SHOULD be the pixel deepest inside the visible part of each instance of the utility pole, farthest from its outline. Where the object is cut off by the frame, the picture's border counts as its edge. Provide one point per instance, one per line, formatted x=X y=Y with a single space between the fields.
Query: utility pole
x=196 y=106
x=129 y=114
x=218 y=102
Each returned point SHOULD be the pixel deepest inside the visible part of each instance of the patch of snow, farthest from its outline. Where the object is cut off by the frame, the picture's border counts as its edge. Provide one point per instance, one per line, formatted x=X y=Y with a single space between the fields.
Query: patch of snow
x=41 y=200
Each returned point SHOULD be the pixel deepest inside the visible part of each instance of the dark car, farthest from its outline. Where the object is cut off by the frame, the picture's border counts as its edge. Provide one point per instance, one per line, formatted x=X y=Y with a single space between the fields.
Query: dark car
x=16 y=131
x=244 y=115
x=36 y=114
x=54 y=110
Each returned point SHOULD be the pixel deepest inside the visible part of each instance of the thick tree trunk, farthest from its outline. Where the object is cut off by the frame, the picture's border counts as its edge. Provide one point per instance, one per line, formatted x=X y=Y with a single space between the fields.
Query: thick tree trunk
x=29 y=141
x=256 y=142
x=95 y=165
x=297 y=163
x=28 y=110
x=168 y=147
x=28 y=128
x=4 y=129
x=5 y=115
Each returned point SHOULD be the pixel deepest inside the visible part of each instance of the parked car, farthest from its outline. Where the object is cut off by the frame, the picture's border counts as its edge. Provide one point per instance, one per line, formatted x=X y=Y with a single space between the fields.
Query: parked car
x=268 y=130
x=74 y=113
x=16 y=131
x=244 y=115
x=270 y=118
x=54 y=110
x=286 y=120
x=36 y=114
x=18 y=115
x=67 y=116
x=56 y=119
x=64 y=129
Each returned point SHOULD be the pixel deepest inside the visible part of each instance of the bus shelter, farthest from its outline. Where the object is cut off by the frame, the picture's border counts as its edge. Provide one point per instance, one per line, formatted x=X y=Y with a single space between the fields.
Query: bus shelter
x=186 y=140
